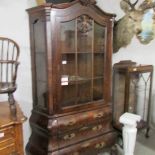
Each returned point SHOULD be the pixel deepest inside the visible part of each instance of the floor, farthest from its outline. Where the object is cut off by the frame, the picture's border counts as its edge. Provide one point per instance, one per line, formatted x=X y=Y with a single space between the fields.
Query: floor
x=144 y=146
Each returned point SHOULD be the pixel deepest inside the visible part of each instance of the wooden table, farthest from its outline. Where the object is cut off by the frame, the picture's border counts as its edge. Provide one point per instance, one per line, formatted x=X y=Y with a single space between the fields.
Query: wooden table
x=11 y=133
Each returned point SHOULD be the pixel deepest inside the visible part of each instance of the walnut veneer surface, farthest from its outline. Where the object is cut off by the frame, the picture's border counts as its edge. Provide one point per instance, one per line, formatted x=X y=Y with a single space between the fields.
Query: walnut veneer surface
x=11 y=133
x=71 y=48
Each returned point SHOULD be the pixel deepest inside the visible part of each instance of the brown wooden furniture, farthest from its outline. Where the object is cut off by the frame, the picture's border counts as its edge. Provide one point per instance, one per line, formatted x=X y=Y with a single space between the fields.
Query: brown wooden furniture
x=53 y=1
x=9 y=54
x=11 y=135
x=71 y=48
x=132 y=91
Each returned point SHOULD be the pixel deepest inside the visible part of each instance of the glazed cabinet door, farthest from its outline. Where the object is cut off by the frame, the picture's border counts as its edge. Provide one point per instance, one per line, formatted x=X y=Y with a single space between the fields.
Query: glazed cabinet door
x=82 y=49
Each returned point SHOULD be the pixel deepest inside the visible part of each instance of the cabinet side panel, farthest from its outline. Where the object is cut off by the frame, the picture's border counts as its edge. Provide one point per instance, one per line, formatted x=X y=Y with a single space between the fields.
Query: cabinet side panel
x=39 y=63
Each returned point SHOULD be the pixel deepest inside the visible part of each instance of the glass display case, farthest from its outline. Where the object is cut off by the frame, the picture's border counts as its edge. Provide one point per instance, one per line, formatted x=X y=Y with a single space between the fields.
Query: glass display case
x=71 y=49
x=132 y=85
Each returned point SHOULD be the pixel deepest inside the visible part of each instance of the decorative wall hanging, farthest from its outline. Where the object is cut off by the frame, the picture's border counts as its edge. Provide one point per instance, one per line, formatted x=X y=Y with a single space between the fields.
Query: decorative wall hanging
x=39 y=2
x=84 y=2
x=138 y=20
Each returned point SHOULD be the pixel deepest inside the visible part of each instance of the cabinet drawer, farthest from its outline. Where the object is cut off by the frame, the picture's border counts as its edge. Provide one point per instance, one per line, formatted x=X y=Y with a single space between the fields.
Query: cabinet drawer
x=6 y=134
x=85 y=132
x=7 y=141
x=8 y=150
x=80 y=120
x=89 y=147
x=80 y=134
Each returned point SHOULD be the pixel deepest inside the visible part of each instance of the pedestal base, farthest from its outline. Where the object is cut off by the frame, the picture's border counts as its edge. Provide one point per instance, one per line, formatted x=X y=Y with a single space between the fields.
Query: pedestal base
x=129 y=132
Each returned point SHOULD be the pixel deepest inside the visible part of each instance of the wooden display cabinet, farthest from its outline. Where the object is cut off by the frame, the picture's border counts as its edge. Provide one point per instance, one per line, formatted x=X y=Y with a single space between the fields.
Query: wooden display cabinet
x=71 y=48
x=11 y=132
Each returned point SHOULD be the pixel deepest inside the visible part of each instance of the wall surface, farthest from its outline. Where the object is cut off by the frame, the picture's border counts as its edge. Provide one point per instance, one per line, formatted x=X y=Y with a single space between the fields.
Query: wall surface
x=14 y=24
x=135 y=51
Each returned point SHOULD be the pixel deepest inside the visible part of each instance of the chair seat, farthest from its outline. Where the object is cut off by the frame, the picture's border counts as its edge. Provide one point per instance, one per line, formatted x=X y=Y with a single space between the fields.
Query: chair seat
x=7 y=87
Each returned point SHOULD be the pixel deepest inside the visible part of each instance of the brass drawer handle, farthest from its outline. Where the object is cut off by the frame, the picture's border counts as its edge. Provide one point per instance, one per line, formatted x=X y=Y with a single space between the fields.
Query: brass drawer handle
x=135 y=69
x=75 y=153
x=70 y=136
x=12 y=133
x=85 y=145
x=100 y=145
x=99 y=115
x=84 y=128
x=1 y=134
x=71 y=123
x=14 y=153
x=96 y=128
x=85 y=115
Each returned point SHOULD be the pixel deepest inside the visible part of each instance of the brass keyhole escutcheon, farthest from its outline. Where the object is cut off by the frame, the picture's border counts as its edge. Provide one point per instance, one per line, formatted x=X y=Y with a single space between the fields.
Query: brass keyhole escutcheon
x=100 y=145
x=69 y=136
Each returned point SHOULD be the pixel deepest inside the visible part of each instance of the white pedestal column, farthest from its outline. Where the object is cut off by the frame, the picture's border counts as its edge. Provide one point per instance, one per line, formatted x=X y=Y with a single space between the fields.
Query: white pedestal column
x=129 y=132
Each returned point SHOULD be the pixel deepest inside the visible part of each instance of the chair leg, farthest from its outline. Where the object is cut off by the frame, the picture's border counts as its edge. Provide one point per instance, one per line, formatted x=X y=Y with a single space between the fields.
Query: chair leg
x=147 y=132
x=114 y=150
x=12 y=105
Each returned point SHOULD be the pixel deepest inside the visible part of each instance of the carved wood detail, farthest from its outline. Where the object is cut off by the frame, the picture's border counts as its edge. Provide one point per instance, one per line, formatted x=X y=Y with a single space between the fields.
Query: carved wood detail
x=84 y=24
x=88 y=2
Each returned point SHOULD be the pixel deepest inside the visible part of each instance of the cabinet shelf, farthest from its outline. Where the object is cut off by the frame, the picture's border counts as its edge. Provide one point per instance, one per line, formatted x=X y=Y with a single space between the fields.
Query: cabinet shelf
x=77 y=79
x=94 y=52
x=75 y=106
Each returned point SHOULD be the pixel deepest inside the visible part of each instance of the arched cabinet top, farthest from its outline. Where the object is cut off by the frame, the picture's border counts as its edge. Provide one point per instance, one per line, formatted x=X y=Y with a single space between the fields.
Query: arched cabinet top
x=83 y=5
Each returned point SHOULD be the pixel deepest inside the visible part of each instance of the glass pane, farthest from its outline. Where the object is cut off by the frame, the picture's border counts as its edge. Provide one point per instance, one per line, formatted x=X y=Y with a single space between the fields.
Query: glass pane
x=39 y=36
x=99 y=38
x=134 y=78
x=98 y=64
x=84 y=65
x=68 y=96
x=42 y=93
x=41 y=68
x=68 y=70
x=118 y=96
x=98 y=89
x=68 y=36
x=68 y=65
x=40 y=65
x=84 y=92
x=41 y=79
x=143 y=95
x=84 y=34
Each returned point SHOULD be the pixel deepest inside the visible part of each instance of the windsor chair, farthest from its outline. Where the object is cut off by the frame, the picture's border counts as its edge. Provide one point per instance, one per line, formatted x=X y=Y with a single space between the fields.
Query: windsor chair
x=9 y=54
